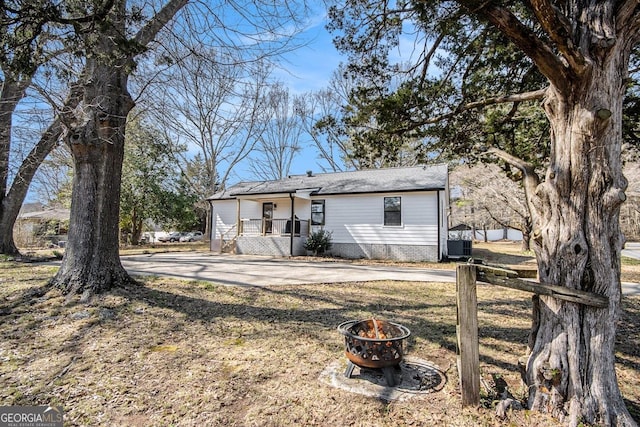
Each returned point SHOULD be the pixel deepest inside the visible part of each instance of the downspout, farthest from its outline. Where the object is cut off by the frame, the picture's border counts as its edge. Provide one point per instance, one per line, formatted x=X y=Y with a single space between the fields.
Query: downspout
x=238 y=218
x=211 y=226
x=439 y=226
x=293 y=224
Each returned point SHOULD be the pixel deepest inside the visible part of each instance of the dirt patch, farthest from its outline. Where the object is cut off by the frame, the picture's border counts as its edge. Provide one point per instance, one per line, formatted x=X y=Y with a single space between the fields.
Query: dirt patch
x=173 y=352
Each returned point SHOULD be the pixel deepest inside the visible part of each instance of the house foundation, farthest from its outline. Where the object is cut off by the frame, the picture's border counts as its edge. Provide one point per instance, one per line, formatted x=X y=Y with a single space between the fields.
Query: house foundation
x=407 y=253
x=276 y=246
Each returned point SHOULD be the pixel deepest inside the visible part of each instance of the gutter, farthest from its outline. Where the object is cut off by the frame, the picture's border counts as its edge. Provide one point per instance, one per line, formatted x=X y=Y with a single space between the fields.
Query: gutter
x=211 y=225
x=439 y=226
x=293 y=224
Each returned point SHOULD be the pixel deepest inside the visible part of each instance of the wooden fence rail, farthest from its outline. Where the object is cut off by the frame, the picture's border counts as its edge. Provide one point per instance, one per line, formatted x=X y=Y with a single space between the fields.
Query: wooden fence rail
x=508 y=278
x=468 y=359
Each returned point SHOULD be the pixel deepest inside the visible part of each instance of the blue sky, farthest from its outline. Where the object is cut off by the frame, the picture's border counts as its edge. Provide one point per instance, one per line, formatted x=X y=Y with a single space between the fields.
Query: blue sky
x=314 y=63
x=310 y=67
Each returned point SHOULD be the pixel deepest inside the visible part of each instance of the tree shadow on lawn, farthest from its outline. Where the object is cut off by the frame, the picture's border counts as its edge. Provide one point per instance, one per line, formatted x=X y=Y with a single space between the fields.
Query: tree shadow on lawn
x=26 y=320
x=324 y=307
x=304 y=307
x=633 y=407
x=433 y=322
x=304 y=313
x=628 y=337
x=492 y=257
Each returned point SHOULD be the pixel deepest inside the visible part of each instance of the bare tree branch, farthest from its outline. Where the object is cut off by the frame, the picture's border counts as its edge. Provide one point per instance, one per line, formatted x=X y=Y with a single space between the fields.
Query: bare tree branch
x=151 y=29
x=518 y=97
x=559 y=29
x=627 y=15
x=549 y=64
x=530 y=179
x=428 y=56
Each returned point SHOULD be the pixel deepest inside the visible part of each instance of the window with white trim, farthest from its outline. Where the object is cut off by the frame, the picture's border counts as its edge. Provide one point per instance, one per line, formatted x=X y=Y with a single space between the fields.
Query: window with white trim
x=317 y=212
x=392 y=211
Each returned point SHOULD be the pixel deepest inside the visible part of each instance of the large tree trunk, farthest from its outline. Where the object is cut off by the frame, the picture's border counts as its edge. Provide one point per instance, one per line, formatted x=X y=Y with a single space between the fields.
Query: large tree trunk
x=136 y=227
x=13 y=90
x=91 y=263
x=8 y=215
x=571 y=369
x=11 y=93
x=15 y=197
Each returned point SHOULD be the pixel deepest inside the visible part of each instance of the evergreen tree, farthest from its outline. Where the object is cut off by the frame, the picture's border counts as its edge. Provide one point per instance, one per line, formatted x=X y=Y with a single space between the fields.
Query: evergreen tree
x=572 y=58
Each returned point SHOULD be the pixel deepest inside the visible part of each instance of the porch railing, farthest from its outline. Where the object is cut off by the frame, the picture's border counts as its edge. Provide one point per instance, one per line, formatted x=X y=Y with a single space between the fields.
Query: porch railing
x=273 y=227
x=228 y=239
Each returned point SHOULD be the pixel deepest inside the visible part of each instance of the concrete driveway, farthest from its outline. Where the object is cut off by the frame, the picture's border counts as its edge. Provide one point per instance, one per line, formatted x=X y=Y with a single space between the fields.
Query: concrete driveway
x=632 y=250
x=253 y=270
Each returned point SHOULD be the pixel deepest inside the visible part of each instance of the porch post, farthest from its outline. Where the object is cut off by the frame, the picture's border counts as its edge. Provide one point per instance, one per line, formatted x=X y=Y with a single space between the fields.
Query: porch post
x=438 y=203
x=293 y=224
x=237 y=218
x=212 y=227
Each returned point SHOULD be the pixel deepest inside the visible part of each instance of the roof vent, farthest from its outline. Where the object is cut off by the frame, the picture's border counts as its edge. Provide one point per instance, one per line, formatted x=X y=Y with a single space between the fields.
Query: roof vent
x=309 y=173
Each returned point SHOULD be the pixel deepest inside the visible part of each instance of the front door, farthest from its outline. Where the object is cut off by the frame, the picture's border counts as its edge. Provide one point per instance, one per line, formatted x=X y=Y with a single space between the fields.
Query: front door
x=267 y=217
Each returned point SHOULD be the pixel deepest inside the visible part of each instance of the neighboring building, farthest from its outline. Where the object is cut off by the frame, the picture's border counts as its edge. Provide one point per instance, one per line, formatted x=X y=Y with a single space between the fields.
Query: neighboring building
x=398 y=214
x=464 y=232
x=41 y=228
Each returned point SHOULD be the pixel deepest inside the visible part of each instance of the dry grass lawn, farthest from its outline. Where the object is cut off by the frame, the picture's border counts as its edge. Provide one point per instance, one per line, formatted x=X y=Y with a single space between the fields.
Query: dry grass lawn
x=172 y=352
x=510 y=253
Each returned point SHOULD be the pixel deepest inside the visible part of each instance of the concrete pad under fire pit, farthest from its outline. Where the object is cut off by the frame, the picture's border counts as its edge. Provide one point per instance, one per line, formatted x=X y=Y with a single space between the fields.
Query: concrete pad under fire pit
x=415 y=377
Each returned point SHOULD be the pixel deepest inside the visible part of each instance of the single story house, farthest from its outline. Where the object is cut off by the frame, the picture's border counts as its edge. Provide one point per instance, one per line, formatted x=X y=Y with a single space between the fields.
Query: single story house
x=395 y=213
x=30 y=228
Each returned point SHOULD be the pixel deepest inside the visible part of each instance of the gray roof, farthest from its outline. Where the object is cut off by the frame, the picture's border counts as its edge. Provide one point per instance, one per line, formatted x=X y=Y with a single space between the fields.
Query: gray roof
x=49 y=214
x=428 y=177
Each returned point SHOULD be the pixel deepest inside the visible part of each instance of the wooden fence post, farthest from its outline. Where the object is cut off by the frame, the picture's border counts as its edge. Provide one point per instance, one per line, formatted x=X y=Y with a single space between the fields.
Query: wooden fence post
x=467 y=334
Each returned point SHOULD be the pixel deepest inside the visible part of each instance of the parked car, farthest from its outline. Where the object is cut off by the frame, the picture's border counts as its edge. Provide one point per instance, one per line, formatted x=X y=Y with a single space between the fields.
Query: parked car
x=172 y=237
x=194 y=236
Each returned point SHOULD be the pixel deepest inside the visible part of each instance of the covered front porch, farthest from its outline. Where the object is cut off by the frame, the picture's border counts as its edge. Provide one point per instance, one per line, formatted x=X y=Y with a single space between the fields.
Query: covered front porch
x=272 y=237
x=264 y=224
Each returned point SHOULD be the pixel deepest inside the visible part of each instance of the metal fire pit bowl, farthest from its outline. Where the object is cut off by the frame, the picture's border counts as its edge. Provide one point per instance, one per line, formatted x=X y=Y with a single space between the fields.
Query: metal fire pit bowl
x=372 y=343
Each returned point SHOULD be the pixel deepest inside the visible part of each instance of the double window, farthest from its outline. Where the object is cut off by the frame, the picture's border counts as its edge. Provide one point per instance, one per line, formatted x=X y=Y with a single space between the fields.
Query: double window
x=317 y=212
x=392 y=211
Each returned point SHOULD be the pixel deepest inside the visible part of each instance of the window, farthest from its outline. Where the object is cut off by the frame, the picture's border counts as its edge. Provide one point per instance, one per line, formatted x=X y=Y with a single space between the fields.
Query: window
x=317 y=212
x=392 y=212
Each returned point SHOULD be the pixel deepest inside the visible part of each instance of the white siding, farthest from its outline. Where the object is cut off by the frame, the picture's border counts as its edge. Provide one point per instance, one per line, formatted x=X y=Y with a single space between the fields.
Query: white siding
x=282 y=209
x=499 y=234
x=303 y=209
x=514 y=234
x=224 y=216
x=250 y=209
x=360 y=219
x=226 y=211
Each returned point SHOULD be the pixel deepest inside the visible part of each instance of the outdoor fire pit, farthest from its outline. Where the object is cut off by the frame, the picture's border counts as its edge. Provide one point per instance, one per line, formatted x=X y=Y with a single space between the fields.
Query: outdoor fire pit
x=374 y=344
